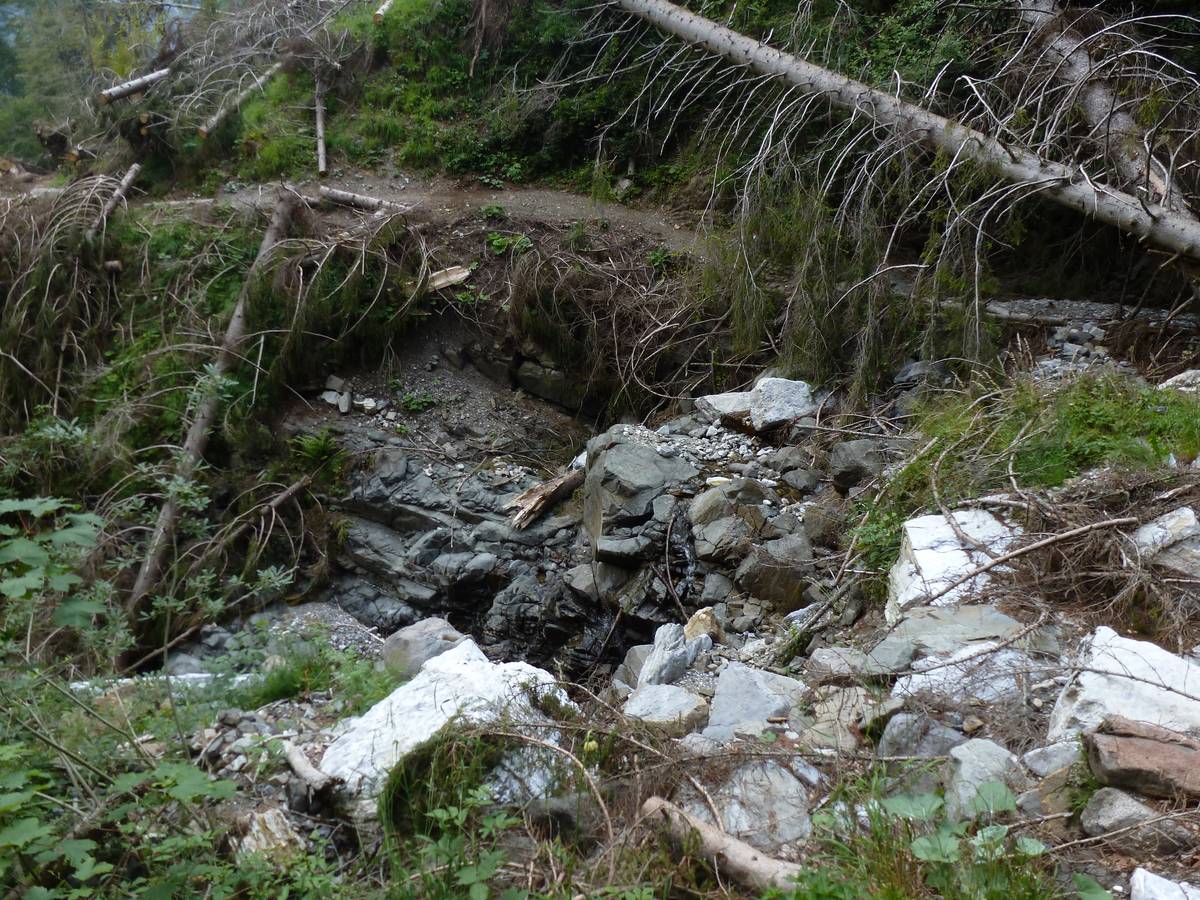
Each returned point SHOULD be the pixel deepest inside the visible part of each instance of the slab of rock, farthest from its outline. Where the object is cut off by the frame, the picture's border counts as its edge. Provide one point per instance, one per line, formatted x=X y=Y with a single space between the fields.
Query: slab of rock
x=667 y=707
x=943 y=631
x=733 y=405
x=410 y=648
x=1188 y=382
x=269 y=833
x=837 y=662
x=985 y=672
x=630 y=670
x=1044 y=760
x=1117 y=675
x=671 y=654
x=974 y=763
x=774 y=572
x=1151 y=760
x=1112 y=810
x=704 y=622
x=747 y=695
x=462 y=682
x=837 y=715
x=932 y=557
x=1146 y=885
x=778 y=401
x=763 y=803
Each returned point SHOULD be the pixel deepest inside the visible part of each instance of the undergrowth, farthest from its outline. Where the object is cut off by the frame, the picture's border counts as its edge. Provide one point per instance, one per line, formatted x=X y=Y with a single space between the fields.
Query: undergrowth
x=1038 y=435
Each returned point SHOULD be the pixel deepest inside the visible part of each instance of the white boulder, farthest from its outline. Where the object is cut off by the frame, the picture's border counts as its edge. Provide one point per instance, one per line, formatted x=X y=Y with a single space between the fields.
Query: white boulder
x=985 y=673
x=1136 y=679
x=1148 y=886
x=1172 y=540
x=932 y=558
x=460 y=683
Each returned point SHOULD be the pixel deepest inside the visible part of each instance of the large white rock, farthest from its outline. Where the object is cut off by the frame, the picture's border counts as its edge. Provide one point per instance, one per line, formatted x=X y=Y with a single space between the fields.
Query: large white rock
x=1148 y=886
x=731 y=405
x=461 y=682
x=1172 y=540
x=932 y=558
x=1135 y=679
x=668 y=707
x=671 y=654
x=1188 y=382
x=777 y=401
x=983 y=672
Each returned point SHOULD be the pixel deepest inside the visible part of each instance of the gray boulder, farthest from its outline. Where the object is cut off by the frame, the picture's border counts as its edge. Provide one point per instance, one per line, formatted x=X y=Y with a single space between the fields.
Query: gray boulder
x=624 y=476
x=763 y=803
x=671 y=654
x=747 y=695
x=667 y=707
x=779 y=401
x=774 y=572
x=733 y=405
x=1111 y=810
x=410 y=648
x=974 y=763
x=908 y=734
x=852 y=462
x=1041 y=761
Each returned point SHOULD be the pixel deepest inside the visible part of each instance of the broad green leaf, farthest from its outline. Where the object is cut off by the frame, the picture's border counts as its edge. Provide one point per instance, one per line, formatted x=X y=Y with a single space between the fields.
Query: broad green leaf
x=1028 y=846
x=23 y=585
x=24 y=550
x=994 y=797
x=22 y=832
x=35 y=506
x=939 y=847
x=77 y=613
x=478 y=891
x=1089 y=888
x=915 y=807
x=14 y=800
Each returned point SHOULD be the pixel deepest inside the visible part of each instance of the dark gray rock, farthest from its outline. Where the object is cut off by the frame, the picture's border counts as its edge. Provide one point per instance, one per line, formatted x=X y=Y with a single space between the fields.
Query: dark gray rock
x=803 y=481
x=552 y=384
x=786 y=459
x=624 y=477
x=909 y=734
x=1111 y=810
x=852 y=462
x=774 y=572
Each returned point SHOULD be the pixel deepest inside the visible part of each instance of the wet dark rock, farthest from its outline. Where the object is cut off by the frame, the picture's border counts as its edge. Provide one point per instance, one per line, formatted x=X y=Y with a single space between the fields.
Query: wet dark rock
x=852 y=462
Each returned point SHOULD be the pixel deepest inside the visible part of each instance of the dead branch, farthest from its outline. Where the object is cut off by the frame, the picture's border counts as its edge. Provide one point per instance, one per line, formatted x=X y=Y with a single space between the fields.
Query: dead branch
x=382 y=10
x=316 y=780
x=215 y=120
x=129 y=88
x=197 y=437
x=319 y=104
x=114 y=201
x=736 y=858
x=535 y=501
x=360 y=201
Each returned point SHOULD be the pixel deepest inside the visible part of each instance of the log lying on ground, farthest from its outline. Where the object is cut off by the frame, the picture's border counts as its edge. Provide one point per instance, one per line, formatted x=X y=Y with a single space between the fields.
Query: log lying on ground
x=735 y=858
x=383 y=10
x=1068 y=186
x=129 y=88
x=361 y=201
x=319 y=103
x=196 y=441
x=314 y=779
x=113 y=202
x=531 y=504
x=215 y=120
x=1124 y=141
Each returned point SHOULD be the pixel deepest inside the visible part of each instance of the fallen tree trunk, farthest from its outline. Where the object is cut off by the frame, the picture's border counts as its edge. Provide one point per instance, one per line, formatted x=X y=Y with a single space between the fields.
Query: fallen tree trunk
x=322 y=168
x=129 y=88
x=1153 y=223
x=1125 y=141
x=382 y=10
x=113 y=202
x=196 y=441
x=215 y=120
x=531 y=504
x=360 y=201
x=735 y=858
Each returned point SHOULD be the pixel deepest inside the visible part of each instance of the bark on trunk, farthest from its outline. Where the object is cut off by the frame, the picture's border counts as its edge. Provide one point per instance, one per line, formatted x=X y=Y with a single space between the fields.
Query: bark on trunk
x=360 y=201
x=735 y=858
x=129 y=88
x=215 y=120
x=1124 y=141
x=196 y=441
x=1155 y=224
x=113 y=202
x=322 y=167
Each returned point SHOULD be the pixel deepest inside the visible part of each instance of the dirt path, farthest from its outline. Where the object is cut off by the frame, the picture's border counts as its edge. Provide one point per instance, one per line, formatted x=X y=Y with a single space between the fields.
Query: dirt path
x=445 y=199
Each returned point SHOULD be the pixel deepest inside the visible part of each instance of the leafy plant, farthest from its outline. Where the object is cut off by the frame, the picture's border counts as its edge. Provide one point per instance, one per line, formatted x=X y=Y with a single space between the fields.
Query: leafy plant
x=494 y=212
x=502 y=243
